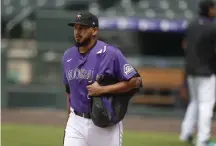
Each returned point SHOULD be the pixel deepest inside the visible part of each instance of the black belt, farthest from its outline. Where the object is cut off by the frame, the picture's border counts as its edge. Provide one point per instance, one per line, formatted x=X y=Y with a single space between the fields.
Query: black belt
x=87 y=116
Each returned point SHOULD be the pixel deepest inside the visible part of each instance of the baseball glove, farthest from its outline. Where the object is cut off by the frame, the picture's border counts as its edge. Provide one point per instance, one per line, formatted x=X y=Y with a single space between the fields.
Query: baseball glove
x=107 y=110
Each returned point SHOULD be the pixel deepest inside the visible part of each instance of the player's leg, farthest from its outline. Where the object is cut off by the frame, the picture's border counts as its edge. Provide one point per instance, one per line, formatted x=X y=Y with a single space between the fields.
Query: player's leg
x=191 y=115
x=207 y=95
x=70 y=141
x=111 y=136
x=75 y=131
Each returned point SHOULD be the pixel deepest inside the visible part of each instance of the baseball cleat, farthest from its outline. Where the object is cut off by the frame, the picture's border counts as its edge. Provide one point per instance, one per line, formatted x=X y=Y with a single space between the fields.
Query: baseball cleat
x=189 y=140
x=211 y=144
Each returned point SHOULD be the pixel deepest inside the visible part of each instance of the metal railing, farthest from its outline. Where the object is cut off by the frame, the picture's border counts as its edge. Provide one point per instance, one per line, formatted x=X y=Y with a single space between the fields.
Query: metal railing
x=17 y=19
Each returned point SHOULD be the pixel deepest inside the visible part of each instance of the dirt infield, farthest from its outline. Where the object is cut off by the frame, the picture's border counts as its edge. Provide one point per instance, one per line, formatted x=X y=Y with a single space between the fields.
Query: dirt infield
x=58 y=118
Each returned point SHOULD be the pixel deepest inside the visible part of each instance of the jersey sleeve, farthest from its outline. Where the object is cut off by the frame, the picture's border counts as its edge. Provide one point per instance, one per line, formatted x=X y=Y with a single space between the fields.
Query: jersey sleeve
x=115 y=64
x=107 y=64
x=124 y=70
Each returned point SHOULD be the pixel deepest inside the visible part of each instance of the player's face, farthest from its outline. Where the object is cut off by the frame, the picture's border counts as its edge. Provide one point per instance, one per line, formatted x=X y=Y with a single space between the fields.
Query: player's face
x=83 y=34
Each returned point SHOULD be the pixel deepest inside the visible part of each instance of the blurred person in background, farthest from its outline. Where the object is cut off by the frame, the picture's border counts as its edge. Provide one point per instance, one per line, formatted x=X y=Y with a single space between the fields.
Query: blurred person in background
x=200 y=59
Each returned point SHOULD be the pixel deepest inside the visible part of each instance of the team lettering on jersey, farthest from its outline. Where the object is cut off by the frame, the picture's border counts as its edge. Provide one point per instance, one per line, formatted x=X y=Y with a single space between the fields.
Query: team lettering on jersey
x=80 y=74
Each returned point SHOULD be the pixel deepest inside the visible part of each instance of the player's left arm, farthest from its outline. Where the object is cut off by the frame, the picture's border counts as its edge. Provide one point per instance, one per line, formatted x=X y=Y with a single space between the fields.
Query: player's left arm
x=126 y=73
x=123 y=86
x=67 y=89
x=115 y=64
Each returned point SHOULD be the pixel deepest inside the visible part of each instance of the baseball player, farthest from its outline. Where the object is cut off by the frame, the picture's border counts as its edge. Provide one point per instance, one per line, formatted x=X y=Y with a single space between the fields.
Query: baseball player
x=200 y=54
x=78 y=69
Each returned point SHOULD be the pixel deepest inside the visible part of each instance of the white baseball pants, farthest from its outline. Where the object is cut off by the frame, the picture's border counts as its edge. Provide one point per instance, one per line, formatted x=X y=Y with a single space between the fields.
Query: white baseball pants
x=80 y=131
x=202 y=92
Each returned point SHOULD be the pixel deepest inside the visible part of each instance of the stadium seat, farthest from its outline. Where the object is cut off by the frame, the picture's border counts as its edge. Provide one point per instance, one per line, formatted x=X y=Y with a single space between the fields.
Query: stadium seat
x=24 y=3
x=11 y=8
x=94 y=8
x=107 y=4
x=53 y=4
x=77 y=5
x=169 y=9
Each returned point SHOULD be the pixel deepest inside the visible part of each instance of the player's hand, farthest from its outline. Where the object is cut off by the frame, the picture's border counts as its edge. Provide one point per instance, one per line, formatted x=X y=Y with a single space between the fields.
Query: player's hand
x=95 y=89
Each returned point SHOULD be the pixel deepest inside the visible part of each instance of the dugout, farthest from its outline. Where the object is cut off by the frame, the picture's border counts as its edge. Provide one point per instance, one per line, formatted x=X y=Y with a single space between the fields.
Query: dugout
x=161 y=44
x=163 y=78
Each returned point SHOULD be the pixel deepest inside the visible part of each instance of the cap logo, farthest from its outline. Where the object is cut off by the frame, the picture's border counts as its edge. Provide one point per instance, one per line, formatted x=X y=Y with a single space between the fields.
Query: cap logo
x=78 y=17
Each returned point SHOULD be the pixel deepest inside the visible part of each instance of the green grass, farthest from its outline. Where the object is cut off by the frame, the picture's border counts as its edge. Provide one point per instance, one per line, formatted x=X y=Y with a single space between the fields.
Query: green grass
x=32 y=135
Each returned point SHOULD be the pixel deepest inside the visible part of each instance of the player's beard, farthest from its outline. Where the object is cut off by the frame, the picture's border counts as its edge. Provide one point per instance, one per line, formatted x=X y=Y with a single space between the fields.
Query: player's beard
x=85 y=42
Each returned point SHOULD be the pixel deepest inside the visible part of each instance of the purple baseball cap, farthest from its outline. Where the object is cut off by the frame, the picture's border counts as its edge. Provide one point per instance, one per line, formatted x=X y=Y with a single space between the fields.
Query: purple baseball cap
x=86 y=19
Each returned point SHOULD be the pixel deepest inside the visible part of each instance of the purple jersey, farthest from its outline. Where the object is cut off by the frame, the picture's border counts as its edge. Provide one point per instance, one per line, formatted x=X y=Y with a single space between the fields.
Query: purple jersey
x=79 y=69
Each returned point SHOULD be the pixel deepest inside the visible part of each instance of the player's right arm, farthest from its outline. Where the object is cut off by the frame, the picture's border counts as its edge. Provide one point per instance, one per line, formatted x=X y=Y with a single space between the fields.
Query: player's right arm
x=67 y=89
x=184 y=44
x=214 y=38
x=184 y=41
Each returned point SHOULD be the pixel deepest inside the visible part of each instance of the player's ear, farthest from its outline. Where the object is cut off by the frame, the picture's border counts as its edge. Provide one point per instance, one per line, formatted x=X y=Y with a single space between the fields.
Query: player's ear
x=95 y=31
